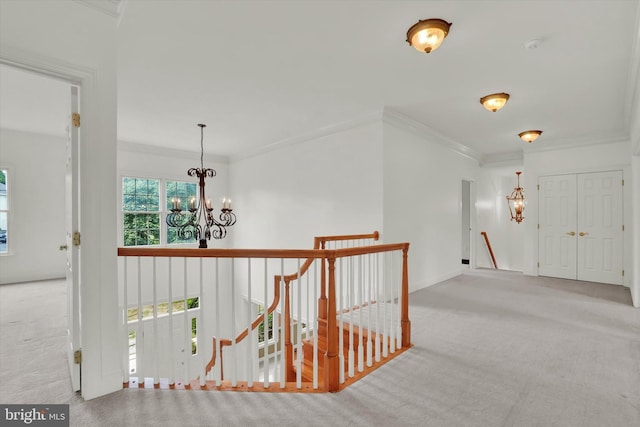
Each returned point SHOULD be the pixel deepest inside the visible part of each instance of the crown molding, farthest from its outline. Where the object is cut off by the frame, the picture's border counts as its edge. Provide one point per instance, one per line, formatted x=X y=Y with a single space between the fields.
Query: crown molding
x=570 y=143
x=401 y=121
x=503 y=159
x=343 y=126
x=134 y=147
x=108 y=7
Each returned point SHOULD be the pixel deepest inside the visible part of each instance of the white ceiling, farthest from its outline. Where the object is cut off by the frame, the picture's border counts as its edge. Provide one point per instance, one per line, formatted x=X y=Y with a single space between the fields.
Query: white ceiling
x=261 y=72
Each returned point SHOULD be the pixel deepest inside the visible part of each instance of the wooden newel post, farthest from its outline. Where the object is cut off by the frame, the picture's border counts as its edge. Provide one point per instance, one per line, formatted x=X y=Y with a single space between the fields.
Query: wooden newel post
x=331 y=359
x=322 y=302
x=405 y=322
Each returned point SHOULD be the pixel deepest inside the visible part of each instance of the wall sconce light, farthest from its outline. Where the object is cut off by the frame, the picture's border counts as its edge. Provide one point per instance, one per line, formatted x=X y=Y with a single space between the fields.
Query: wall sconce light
x=427 y=35
x=530 y=135
x=495 y=101
x=516 y=202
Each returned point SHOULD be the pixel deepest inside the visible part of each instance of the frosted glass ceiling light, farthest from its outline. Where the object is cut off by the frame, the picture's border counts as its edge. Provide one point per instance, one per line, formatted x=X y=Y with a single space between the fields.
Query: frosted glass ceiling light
x=530 y=135
x=426 y=36
x=495 y=101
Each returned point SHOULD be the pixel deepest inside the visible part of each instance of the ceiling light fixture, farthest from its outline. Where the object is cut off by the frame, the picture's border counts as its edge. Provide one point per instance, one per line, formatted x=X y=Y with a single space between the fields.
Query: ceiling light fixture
x=516 y=202
x=495 y=101
x=198 y=221
x=530 y=135
x=427 y=35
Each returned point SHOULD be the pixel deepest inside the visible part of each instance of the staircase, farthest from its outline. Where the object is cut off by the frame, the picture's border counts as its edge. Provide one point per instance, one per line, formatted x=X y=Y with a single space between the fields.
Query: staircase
x=361 y=344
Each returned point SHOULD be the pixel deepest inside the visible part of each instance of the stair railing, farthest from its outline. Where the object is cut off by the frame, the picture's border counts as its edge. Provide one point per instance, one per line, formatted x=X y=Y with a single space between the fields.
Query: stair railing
x=156 y=281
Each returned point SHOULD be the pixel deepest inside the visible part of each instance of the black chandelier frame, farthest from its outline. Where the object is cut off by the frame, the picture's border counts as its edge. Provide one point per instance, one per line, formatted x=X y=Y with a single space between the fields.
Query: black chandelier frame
x=198 y=221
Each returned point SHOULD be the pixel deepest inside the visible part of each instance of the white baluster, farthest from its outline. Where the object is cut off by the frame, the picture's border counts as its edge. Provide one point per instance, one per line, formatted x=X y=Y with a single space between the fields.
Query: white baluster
x=299 y=352
x=156 y=362
x=250 y=359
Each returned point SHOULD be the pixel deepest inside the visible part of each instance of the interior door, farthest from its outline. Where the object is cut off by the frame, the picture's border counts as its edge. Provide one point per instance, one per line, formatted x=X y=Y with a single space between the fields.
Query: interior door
x=600 y=227
x=73 y=242
x=557 y=227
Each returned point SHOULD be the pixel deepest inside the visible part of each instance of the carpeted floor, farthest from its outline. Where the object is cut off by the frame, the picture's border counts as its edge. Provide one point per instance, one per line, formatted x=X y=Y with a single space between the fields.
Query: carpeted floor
x=491 y=348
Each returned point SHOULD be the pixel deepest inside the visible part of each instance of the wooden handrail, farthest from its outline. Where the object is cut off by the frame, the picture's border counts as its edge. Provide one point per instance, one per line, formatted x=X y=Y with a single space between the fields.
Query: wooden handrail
x=486 y=239
x=265 y=253
x=326 y=304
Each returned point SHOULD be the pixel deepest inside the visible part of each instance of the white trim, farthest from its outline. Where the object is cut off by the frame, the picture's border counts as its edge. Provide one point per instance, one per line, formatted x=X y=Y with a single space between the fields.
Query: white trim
x=632 y=101
x=401 y=121
x=503 y=159
x=571 y=143
x=356 y=122
x=108 y=7
x=100 y=375
x=134 y=147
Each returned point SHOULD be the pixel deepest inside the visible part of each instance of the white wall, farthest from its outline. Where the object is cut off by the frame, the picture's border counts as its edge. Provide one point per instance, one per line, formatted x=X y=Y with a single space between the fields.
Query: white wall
x=67 y=39
x=36 y=165
x=329 y=185
x=325 y=186
x=506 y=236
x=590 y=158
x=422 y=203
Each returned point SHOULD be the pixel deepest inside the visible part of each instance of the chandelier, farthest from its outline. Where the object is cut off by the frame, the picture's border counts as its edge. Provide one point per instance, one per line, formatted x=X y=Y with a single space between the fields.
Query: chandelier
x=198 y=221
x=516 y=202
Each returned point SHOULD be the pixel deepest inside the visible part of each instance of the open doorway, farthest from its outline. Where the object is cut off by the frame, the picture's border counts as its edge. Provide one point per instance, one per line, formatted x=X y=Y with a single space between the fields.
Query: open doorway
x=40 y=172
x=466 y=223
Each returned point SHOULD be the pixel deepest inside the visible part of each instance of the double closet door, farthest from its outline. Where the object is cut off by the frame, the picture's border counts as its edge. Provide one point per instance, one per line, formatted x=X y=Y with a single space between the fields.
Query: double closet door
x=580 y=232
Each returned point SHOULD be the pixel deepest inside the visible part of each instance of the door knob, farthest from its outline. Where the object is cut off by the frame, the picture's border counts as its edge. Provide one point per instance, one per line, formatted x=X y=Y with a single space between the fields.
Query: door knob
x=63 y=247
x=582 y=233
x=571 y=233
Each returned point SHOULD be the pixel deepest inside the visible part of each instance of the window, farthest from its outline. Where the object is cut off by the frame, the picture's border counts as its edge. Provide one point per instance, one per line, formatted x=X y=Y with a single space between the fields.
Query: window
x=183 y=191
x=141 y=211
x=4 y=210
x=144 y=216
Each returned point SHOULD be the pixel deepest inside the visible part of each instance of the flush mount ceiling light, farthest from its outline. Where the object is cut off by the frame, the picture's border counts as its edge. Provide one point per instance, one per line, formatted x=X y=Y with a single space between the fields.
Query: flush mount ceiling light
x=530 y=135
x=426 y=36
x=495 y=101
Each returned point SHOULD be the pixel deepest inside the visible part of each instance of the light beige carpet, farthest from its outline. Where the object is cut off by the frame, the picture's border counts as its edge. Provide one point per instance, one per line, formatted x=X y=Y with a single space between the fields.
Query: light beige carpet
x=491 y=348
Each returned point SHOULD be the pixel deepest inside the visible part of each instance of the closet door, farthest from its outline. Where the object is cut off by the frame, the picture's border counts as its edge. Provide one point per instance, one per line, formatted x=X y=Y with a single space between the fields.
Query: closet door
x=557 y=227
x=599 y=240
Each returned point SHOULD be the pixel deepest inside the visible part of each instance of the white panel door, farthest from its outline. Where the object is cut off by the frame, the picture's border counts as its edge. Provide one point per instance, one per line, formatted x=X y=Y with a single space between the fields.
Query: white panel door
x=72 y=248
x=600 y=227
x=557 y=233
x=580 y=229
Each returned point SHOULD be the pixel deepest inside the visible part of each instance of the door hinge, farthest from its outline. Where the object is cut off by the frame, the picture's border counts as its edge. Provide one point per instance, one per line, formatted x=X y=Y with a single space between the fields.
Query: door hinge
x=76 y=238
x=622 y=273
x=538 y=264
x=75 y=118
x=77 y=357
x=623 y=227
x=538 y=187
x=538 y=226
x=623 y=182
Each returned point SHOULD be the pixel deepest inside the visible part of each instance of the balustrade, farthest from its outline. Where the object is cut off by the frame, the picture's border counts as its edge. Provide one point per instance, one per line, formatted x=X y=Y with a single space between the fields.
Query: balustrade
x=239 y=319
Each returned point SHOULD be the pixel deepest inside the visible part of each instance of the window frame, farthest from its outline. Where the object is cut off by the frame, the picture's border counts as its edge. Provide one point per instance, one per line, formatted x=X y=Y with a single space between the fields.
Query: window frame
x=162 y=211
x=8 y=179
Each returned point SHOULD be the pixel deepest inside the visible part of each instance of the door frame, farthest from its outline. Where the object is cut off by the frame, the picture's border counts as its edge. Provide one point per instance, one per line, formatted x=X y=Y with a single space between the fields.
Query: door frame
x=79 y=78
x=624 y=210
x=472 y=219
